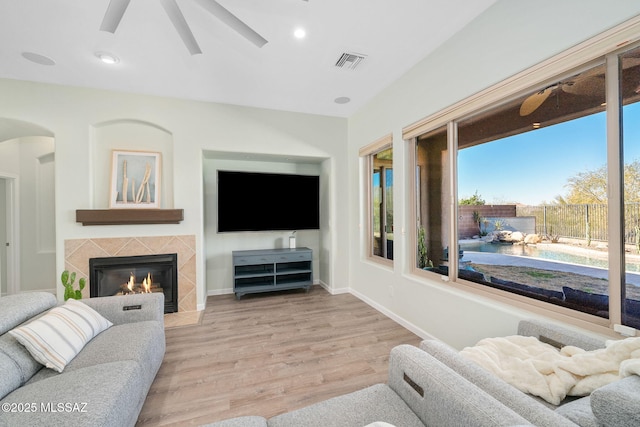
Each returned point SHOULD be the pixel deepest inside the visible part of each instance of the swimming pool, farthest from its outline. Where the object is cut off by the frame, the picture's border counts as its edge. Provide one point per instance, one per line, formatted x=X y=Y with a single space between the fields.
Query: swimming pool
x=596 y=259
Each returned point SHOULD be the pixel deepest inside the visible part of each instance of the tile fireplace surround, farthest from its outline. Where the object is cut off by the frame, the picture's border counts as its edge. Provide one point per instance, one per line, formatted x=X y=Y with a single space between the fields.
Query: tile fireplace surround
x=77 y=253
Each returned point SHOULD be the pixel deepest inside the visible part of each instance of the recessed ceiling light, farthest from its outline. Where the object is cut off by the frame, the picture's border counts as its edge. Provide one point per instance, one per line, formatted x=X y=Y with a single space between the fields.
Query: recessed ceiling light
x=299 y=33
x=38 y=59
x=107 y=58
x=342 y=100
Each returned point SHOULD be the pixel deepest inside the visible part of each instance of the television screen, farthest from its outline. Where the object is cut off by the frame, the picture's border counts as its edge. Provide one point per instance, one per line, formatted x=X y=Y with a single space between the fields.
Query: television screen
x=252 y=201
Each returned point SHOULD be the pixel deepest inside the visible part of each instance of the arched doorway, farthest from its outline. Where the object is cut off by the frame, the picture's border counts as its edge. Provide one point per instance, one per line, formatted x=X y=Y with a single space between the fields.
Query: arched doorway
x=27 y=207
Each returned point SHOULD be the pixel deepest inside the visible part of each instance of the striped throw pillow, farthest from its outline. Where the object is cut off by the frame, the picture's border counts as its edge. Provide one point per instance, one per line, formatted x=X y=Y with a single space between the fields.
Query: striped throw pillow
x=57 y=337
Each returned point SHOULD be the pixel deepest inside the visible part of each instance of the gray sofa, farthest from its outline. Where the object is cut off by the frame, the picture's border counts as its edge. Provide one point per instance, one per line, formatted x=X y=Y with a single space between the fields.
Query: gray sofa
x=616 y=404
x=104 y=385
x=435 y=386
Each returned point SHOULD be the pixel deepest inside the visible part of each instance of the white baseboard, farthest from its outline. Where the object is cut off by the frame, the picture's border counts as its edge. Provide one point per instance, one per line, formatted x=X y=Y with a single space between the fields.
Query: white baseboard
x=333 y=291
x=225 y=291
x=410 y=326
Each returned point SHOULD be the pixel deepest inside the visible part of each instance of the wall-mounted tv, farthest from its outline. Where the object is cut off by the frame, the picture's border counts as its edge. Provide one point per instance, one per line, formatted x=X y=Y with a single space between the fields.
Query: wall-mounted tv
x=254 y=201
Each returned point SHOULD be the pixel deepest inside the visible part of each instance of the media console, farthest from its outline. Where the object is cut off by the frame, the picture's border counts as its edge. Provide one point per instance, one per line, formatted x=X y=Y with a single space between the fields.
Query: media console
x=271 y=270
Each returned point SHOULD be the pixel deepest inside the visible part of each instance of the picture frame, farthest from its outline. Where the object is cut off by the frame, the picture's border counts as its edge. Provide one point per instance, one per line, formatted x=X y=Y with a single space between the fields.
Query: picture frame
x=135 y=180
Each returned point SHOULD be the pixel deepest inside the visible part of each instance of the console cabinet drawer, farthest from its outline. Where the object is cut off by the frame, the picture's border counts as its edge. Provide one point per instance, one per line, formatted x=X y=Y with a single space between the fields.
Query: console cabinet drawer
x=293 y=257
x=253 y=259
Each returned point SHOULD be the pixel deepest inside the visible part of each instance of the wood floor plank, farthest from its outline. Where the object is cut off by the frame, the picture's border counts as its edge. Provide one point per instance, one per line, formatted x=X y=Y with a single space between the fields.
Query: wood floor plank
x=268 y=354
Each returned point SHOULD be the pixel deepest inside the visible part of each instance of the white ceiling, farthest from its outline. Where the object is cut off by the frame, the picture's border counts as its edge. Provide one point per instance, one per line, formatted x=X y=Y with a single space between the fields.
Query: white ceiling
x=286 y=74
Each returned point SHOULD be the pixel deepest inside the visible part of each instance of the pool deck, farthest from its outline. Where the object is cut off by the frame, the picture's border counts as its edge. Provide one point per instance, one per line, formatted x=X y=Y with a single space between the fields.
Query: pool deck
x=489 y=258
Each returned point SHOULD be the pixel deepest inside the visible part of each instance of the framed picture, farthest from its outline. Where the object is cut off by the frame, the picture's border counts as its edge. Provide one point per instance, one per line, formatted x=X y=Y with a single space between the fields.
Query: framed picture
x=135 y=180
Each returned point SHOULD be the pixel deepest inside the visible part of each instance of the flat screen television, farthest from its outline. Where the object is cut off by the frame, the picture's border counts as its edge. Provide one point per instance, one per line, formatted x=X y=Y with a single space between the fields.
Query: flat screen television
x=255 y=201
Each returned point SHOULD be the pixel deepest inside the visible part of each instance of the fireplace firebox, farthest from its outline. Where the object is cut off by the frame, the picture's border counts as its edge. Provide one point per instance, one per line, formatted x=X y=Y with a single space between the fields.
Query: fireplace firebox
x=136 y=274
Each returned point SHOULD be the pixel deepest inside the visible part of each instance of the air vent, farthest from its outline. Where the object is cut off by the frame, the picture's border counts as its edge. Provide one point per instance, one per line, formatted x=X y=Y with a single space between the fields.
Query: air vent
x=350 y=60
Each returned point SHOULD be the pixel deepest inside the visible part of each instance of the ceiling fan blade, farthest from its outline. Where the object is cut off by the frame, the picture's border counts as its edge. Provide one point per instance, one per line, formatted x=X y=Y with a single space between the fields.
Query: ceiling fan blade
x=586 y=86
x=181 y=26
x=232 y=21
x=113 y=15
x=534 y=101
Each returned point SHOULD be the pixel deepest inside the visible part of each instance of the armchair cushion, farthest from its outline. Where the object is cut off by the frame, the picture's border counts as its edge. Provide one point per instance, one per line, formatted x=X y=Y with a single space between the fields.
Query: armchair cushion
x=531 y=409
x=618 y=403
x=579 y=411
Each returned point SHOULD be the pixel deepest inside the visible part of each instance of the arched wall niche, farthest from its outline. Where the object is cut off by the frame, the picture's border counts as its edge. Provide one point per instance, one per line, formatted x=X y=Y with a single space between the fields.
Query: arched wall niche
x=129 y=135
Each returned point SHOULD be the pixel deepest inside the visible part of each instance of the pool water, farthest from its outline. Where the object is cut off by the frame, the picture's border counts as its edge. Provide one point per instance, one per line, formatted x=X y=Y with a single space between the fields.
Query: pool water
x=599 y=260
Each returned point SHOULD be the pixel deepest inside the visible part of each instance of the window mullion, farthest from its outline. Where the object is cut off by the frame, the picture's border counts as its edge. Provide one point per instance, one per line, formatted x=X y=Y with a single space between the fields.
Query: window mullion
x=615 y=206
x=452 y=143
x=383 y=212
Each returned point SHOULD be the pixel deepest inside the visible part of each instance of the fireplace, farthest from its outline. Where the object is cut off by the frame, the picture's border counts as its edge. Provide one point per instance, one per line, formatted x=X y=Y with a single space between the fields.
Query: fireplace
x=136 y=274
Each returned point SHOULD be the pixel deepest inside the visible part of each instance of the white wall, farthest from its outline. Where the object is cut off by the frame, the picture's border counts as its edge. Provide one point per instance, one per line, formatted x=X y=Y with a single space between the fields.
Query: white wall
x=74 y=116
x=219 y=246
x=509 y=37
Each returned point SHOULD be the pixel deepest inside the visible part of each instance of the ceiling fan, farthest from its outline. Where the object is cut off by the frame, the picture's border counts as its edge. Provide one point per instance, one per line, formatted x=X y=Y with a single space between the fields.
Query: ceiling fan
x=586 y=84
x=116 y=10
x=589 y=83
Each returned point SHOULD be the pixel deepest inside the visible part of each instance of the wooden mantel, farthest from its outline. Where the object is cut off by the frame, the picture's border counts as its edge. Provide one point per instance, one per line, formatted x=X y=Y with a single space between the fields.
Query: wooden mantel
x=129 y=216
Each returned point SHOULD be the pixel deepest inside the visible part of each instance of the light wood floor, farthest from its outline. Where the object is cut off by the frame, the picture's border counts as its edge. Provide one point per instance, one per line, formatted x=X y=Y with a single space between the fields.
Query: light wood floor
x=268 y=354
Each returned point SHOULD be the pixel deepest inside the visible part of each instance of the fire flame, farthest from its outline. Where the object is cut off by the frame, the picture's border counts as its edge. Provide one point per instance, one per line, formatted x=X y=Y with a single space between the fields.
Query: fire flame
x=146 y=283
x=131 y=288
x=131 y=283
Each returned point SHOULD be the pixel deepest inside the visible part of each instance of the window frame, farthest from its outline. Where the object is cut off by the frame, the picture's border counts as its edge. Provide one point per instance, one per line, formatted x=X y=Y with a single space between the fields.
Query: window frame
x=366 y=153
x=607 y=45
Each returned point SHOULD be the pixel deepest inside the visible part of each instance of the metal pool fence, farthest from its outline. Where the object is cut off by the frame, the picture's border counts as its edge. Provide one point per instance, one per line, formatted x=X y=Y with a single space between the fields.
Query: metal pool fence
x=589 y=221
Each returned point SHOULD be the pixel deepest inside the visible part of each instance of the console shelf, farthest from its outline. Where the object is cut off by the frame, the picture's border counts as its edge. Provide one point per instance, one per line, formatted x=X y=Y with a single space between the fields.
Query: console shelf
x=271 y=270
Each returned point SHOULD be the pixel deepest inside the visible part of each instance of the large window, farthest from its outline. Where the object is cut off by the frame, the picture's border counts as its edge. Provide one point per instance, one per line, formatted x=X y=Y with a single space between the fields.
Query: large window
x=541 y=200
x=629 y=87
x=540 y=161
x=379 y=163
x=432 y=211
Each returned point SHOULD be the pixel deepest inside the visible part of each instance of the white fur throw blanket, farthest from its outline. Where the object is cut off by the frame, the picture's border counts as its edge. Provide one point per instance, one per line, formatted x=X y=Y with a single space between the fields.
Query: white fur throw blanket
x=542 y=370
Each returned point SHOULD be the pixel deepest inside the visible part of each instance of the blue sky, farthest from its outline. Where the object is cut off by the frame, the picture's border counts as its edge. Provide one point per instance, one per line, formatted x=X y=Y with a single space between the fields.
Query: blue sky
x=534 y=167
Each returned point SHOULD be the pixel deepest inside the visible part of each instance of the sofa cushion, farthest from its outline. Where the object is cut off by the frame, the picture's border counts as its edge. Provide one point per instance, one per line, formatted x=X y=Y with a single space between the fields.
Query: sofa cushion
x=525 y=405
x=18 y=361
x=618 y=403
x=357 y=409
x=103 y=395
x=559 y=336
x=17 y=309
x=579 y=411
x=142 y=342
x=10 y=378
x=16 y=364
x=57 y=337
x=442 y=397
